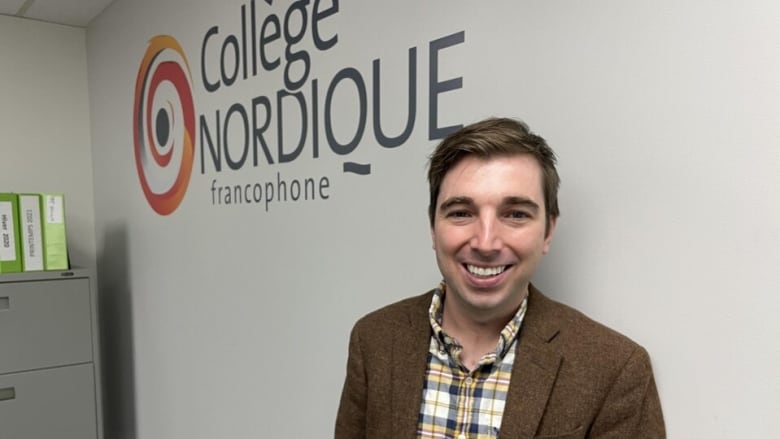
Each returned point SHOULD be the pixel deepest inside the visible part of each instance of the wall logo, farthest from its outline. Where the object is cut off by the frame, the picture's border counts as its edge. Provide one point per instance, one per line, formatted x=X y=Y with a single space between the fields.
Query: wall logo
x=267 y=103
x=164 y=124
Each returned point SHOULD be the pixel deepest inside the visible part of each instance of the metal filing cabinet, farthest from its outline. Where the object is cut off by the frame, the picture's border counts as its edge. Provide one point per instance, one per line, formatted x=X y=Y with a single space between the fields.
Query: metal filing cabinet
x=49 y=359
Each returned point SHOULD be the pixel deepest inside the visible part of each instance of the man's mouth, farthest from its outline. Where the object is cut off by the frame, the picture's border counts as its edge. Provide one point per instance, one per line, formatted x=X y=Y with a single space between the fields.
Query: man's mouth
x=485 y=272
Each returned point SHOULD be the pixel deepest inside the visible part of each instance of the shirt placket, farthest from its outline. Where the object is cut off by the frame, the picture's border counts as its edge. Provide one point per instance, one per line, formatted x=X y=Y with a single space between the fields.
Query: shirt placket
x=467 y=386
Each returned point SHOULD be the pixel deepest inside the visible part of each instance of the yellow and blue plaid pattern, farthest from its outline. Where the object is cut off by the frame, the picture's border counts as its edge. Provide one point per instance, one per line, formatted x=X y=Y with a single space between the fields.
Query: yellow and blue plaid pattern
x=458 y=403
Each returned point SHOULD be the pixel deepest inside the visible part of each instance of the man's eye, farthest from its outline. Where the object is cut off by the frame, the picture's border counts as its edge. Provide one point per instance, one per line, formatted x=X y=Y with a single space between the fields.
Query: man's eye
x=518 y=214
x=458 y=214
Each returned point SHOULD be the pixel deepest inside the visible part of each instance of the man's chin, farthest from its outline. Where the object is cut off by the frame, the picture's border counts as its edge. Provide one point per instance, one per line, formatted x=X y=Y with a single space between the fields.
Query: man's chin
x=486 y=302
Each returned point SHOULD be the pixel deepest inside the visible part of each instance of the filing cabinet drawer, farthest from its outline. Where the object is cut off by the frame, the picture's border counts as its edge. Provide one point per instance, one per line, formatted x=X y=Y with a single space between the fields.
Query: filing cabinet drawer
x=51 y=403
x=44 y=324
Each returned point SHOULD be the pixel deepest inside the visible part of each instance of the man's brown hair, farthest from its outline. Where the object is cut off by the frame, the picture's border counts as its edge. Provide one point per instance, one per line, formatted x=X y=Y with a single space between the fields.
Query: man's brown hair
x=490 y=138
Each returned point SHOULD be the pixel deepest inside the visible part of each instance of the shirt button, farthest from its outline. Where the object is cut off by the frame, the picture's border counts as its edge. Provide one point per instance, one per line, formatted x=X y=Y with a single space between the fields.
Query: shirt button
x=461 y=436
x=469 y=380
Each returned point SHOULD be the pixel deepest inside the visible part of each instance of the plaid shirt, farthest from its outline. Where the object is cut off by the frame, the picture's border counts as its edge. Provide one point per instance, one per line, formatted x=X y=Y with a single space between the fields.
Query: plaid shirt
x=458 y=403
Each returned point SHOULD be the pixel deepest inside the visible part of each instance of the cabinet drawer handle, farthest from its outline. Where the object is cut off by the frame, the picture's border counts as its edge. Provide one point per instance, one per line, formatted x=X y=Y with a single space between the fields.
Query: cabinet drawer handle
x=5 y=303
x=7 y=394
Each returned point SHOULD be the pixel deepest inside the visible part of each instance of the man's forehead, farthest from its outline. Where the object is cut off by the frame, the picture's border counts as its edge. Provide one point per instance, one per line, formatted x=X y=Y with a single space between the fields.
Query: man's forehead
x=520 y=159
x=522 y=169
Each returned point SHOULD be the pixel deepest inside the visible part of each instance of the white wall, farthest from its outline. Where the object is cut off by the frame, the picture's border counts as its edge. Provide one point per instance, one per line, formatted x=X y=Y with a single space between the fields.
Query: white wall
x=44 y=121
x=230 y=321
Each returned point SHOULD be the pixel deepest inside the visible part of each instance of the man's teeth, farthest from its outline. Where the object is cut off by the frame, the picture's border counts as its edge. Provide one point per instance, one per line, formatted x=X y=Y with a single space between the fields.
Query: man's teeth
x=485 y=271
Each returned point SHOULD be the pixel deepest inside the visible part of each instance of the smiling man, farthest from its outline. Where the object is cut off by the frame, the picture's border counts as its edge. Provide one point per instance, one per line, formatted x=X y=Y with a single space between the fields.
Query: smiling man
x=485 y=354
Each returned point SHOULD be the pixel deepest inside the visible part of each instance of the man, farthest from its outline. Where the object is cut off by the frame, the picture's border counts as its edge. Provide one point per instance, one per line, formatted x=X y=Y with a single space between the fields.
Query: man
x=485 y=354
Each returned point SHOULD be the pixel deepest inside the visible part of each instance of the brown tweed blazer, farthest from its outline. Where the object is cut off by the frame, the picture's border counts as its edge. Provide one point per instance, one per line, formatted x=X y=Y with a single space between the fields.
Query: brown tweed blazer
x=572 y=378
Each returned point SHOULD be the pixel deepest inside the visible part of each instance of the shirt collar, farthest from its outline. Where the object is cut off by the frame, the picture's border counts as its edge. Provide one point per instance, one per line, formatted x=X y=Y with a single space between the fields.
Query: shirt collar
x=505 y=340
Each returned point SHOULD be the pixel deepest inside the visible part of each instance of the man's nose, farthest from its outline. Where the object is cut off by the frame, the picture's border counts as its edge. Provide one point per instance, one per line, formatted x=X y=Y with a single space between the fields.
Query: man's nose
x=486 y=237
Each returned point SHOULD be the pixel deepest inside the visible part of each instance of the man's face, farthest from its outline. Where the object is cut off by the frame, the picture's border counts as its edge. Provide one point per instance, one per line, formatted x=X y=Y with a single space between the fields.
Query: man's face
x=489 y=233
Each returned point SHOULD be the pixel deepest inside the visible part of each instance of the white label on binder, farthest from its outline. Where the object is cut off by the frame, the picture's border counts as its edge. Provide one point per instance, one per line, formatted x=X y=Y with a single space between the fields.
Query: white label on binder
x=54 y=210
x=7 y=238
x=31 y=237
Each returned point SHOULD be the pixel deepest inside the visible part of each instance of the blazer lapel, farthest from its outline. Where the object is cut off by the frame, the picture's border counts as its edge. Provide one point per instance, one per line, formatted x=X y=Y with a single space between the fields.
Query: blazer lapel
x=534 y=372
x=409 y=359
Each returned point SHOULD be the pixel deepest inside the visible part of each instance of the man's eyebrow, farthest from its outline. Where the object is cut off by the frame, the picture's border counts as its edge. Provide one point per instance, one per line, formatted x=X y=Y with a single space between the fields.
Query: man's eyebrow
x=521 y=201
x=454 y=201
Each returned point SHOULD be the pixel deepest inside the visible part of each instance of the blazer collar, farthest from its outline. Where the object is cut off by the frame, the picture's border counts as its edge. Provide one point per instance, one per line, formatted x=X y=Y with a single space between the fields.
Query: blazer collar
x=535 y=369
x=409 y=357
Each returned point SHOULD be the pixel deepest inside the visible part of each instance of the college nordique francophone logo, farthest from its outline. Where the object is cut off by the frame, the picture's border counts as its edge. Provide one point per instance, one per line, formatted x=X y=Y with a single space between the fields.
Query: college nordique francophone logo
x=164 y=124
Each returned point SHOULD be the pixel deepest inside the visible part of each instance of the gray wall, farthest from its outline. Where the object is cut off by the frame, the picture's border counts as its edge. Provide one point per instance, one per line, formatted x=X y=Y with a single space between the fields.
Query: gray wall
x=44 y=121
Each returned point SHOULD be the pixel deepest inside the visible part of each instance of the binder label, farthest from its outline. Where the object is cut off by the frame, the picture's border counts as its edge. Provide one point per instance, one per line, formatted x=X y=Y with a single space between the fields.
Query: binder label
x=7 y=238
x=54 y=211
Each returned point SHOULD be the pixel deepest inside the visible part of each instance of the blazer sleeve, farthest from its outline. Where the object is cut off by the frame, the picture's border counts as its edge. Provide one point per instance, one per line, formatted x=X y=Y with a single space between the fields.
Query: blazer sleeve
x=632 y=407
x=351 y=418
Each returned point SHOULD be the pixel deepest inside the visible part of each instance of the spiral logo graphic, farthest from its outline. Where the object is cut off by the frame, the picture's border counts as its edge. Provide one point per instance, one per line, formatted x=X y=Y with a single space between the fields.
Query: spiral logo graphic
x=164 y=124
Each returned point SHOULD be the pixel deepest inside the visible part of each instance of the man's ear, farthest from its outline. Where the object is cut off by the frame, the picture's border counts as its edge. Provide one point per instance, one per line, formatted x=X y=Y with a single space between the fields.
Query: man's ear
x=433 y=235
x=553 y=221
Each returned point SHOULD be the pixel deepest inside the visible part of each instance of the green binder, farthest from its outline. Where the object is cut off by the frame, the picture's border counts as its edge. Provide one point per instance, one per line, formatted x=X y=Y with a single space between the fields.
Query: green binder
x=55 y=243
